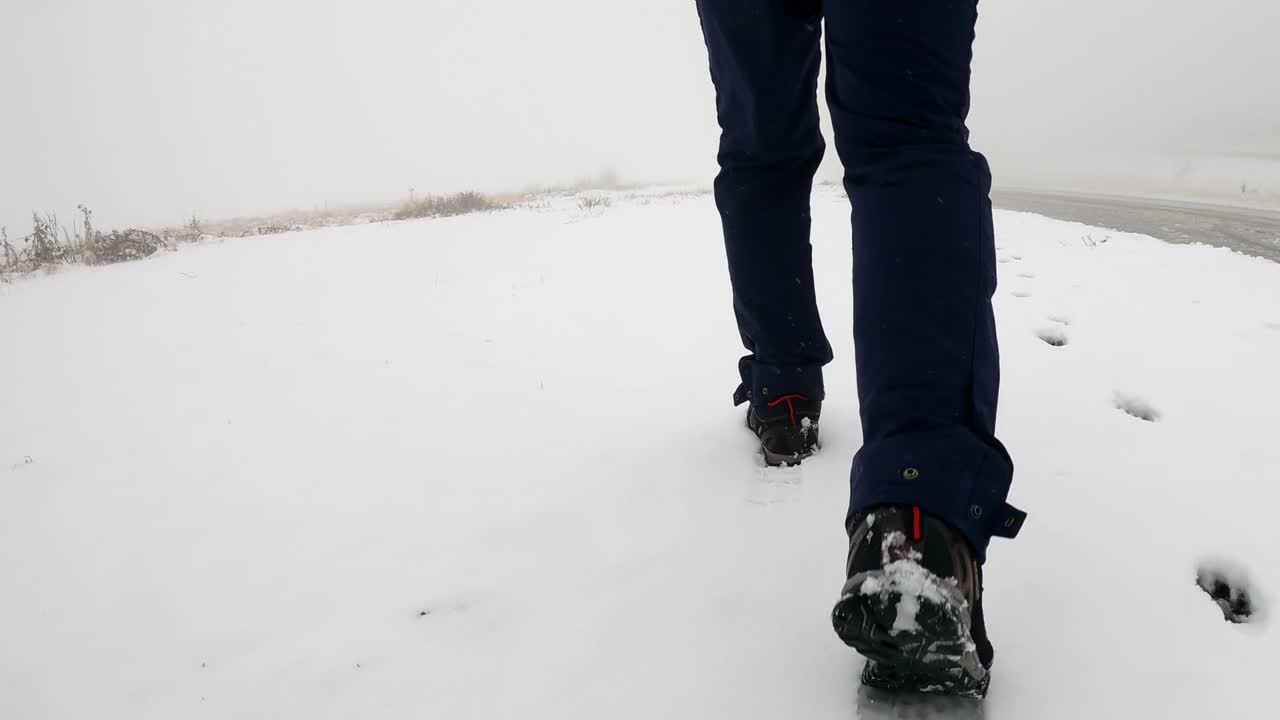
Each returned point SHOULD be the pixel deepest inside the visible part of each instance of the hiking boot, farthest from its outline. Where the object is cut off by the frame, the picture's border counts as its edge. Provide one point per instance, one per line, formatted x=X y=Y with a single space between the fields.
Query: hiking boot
x=913 y=604
x=787 y=428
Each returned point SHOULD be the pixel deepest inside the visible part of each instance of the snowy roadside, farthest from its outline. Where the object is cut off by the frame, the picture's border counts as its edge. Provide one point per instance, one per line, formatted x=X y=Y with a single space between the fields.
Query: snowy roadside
x=1247 y=178
x=477 y=467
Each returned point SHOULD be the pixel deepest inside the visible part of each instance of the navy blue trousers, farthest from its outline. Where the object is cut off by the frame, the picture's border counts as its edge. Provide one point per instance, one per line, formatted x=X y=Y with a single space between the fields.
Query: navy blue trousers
x=923 y=244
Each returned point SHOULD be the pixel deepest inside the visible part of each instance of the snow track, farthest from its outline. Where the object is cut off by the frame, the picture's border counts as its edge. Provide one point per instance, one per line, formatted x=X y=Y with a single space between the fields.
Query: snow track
x=487 y=467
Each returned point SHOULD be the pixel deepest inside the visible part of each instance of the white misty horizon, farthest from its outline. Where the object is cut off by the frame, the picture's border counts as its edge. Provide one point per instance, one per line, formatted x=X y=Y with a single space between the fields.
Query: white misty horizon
x=151 y=111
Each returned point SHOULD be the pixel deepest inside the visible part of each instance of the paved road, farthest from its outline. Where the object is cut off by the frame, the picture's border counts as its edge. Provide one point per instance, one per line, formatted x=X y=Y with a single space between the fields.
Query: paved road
x=1245 y=230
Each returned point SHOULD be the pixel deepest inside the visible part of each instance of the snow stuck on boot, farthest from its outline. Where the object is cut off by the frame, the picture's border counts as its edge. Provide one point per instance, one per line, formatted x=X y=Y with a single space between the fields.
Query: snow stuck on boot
x=903 y=576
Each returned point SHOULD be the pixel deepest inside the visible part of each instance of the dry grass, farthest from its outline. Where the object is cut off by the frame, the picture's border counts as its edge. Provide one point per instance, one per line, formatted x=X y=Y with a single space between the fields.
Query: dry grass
x=287 y=221
x=594 y=202
x=51 y=244
x=447 y=206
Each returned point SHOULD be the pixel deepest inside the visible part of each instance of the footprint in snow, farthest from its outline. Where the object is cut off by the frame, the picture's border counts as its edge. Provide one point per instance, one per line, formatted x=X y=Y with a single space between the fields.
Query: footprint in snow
x=1004 y=259
x=1271 y=325
x=1053 y=336
x=1137 y=407
x=1021 y=293
x=1027 y=275
x=773 y=485
x=1060 y=319
x=1228 y=585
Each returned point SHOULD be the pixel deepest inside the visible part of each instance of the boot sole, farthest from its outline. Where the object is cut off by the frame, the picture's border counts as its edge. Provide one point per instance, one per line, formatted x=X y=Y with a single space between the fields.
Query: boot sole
x=773 y=459
x=934 y=655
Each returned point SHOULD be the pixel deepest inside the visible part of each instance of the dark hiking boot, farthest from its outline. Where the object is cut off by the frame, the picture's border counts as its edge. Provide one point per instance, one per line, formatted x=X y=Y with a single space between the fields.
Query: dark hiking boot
x=913 y=605
x=787 y=428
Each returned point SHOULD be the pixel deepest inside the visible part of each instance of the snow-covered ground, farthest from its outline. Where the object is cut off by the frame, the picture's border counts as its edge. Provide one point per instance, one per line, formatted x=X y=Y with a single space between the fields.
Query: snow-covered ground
x=487 y=467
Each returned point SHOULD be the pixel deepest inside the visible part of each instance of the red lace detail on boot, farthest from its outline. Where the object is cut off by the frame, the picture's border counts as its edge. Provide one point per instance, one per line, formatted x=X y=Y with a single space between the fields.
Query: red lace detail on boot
x=791 y=409
x=915 y=523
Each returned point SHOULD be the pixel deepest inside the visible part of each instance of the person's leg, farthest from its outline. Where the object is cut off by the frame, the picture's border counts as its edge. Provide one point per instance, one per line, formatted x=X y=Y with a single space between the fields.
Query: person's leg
x=924 y=264
x=764 y=57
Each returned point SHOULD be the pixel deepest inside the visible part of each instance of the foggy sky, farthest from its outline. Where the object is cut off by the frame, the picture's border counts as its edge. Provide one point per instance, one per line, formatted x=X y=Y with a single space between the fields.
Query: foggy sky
x=152 y=110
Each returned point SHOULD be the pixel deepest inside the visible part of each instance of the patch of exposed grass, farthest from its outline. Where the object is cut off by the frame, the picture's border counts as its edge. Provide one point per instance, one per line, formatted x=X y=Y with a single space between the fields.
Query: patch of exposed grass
x=447 y=205
x=52 y=243
x=594 y=202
